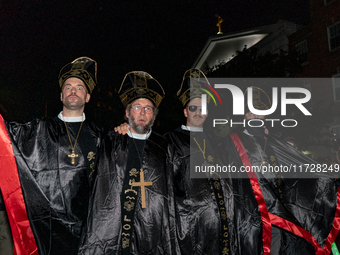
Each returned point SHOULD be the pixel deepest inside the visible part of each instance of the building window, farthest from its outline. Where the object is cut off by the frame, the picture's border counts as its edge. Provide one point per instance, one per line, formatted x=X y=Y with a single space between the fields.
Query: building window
x=301 y=48
x=334 y=36
x=336 y=87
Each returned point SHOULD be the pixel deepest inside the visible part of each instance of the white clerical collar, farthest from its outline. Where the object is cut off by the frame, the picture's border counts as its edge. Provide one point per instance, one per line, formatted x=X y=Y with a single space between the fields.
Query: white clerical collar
x=71 y=119
x=138 y=136
x=192 y=129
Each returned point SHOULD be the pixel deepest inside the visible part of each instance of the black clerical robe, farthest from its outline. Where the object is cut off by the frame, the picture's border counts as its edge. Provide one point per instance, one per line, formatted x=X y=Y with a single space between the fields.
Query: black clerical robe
x=201 y=218
x=54 y=192
x=153 y=229
x=303 y=212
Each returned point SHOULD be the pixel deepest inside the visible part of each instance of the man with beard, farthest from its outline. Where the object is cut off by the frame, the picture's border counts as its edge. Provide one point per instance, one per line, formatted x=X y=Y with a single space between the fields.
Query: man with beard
x=132 y=208
x=277 y=213
x=203 y=203
x=46 y=188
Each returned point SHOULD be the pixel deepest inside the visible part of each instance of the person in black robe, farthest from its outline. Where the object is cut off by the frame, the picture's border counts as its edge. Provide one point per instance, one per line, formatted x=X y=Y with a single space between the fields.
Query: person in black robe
x=6 y=240
x=56 y=159
x=204 y=205
x=282 y=214
x=132 y=209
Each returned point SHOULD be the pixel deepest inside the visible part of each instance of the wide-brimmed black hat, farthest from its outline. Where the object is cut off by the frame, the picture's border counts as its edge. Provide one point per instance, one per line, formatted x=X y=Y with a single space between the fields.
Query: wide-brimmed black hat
x=194 y=80
x=83 y=68
x=139 y=84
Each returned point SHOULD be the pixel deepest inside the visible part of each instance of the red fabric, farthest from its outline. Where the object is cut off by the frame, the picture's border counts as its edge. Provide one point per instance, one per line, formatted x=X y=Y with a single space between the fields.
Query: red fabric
x=266 y=223
x=335 y=228
x=289 y=226
x=280 y=222
x=24 y=242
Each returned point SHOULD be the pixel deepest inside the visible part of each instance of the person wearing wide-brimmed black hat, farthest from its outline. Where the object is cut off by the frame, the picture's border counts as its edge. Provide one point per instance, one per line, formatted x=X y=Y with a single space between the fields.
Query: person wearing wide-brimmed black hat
x=132 y=204
x=56 y=160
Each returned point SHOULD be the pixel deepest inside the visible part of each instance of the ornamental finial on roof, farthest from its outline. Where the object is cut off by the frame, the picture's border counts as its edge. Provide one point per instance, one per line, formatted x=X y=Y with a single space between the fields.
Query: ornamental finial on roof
x=220 y=20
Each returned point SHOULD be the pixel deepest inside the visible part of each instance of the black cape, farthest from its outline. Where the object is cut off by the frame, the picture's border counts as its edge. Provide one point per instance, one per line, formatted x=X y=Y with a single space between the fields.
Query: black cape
x=198 y=217
x=56 y=193
x=308 y=206
x=153 y=229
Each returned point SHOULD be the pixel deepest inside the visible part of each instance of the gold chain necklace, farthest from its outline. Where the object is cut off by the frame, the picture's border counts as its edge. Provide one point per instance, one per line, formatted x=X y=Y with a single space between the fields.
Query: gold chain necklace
x=203 y=151
x=73 y=155
x=133 y=139
x=141 y=183
x=265 y=144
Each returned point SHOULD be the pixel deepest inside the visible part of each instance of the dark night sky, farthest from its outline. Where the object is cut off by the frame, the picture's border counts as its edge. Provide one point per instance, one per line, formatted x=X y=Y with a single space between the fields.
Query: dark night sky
x=162 y=38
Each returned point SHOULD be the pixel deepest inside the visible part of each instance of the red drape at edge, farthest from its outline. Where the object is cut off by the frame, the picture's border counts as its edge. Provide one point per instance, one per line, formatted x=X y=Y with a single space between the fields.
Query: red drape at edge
x=266 y=223
x=285 y=224
x=335 y=228
x=24 y=242
x=289 y=226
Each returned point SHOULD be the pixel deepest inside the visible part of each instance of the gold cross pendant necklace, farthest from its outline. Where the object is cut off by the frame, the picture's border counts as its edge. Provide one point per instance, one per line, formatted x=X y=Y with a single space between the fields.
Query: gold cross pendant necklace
x=142 y=183
x=73 y=155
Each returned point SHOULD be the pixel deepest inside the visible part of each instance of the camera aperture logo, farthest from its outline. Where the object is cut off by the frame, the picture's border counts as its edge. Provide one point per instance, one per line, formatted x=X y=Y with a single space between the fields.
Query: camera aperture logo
x=204 y=97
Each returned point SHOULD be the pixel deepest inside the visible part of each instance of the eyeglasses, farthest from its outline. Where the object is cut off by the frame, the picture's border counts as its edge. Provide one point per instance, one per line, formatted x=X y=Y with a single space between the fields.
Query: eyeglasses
x=138 y=109
x=193 y=108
